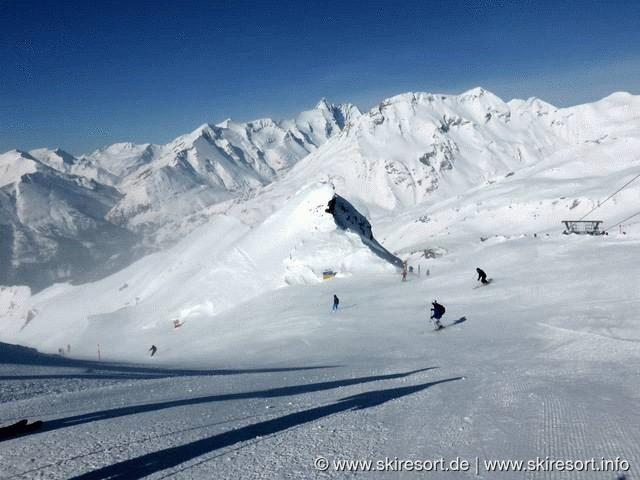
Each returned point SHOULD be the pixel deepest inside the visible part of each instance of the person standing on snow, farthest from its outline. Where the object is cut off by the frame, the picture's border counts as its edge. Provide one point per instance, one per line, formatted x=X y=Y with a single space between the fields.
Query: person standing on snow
x=482 y=276
x=436 y=313
x=153 y=350
x=336 y=302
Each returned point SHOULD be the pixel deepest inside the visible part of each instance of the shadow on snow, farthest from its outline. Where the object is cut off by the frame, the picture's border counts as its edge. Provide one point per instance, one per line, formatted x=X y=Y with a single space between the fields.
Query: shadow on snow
x=271 y=393
x=19 y=355
x=173 y=456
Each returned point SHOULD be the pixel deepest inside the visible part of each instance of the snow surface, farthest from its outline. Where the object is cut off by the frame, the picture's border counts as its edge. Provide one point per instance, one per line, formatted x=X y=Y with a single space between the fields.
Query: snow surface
x=545 y=365
x=261 y=379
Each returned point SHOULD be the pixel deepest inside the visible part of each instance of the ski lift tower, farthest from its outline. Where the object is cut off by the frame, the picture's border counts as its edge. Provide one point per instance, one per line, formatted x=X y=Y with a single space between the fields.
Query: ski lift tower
x=583 y=227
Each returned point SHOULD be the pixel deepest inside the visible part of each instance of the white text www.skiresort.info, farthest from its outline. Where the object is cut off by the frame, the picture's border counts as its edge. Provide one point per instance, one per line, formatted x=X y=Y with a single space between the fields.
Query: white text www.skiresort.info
x=477 y=465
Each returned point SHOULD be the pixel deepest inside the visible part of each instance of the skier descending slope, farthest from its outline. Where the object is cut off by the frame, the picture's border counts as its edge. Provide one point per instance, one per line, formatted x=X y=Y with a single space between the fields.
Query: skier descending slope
x=336 y=302
x=437 y=311
x=482 y=276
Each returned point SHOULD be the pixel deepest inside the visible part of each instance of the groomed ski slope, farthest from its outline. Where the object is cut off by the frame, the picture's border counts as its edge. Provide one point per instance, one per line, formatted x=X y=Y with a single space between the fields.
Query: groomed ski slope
x=546 y=365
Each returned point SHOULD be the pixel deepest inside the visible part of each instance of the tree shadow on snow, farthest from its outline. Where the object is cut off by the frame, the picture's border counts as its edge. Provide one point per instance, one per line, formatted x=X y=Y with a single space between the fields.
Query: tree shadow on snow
x=171 y=457
x=271 y=393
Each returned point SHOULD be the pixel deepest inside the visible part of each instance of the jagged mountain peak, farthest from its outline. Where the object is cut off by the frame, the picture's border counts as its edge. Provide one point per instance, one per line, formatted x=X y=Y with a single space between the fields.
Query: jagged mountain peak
x=336 y=112
x=417 y=146
x=324 y=121
x=323 y=104
x=224 y=124
x=15 y=154
x=57 y=158
x=14 y=164
x=214 y=163
x=474 y=103
x=65 y=156
x=261 y=123
x=205 y=130
x=476 y=93
x=121 y=159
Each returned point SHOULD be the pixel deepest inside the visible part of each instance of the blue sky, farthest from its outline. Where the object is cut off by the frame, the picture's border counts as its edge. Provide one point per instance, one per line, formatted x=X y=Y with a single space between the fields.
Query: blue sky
x=83 y=75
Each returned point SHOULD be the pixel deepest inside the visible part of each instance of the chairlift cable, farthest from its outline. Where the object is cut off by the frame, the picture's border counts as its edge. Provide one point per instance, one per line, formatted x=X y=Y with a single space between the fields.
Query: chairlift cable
x=600 y=204
x=621 y=221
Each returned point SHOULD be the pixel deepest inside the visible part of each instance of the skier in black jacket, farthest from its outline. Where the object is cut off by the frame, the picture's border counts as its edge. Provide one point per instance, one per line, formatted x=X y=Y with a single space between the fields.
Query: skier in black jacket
x=336 y=302
x=482 y=276
x=436 y=313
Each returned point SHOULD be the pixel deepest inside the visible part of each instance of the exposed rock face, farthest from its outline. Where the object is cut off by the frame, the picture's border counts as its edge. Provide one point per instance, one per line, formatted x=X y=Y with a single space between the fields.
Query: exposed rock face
x=348 y=218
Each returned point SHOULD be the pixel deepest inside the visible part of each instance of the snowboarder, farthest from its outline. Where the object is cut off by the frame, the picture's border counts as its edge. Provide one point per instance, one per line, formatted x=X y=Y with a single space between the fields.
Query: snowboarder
x=404 y=271
x=436 y=314
x=177 y=323
x=153 y=350
x=336 y=302
x=482 y=277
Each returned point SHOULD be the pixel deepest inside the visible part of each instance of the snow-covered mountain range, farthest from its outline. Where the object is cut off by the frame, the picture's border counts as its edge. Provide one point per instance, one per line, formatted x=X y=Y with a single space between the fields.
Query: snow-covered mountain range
x=54 y=224
x=63 y=215
x=255 y=377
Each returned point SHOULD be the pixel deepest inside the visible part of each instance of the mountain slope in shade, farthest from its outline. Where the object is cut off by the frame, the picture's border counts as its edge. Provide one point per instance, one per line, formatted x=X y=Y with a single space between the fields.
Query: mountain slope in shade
x=53 y=225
